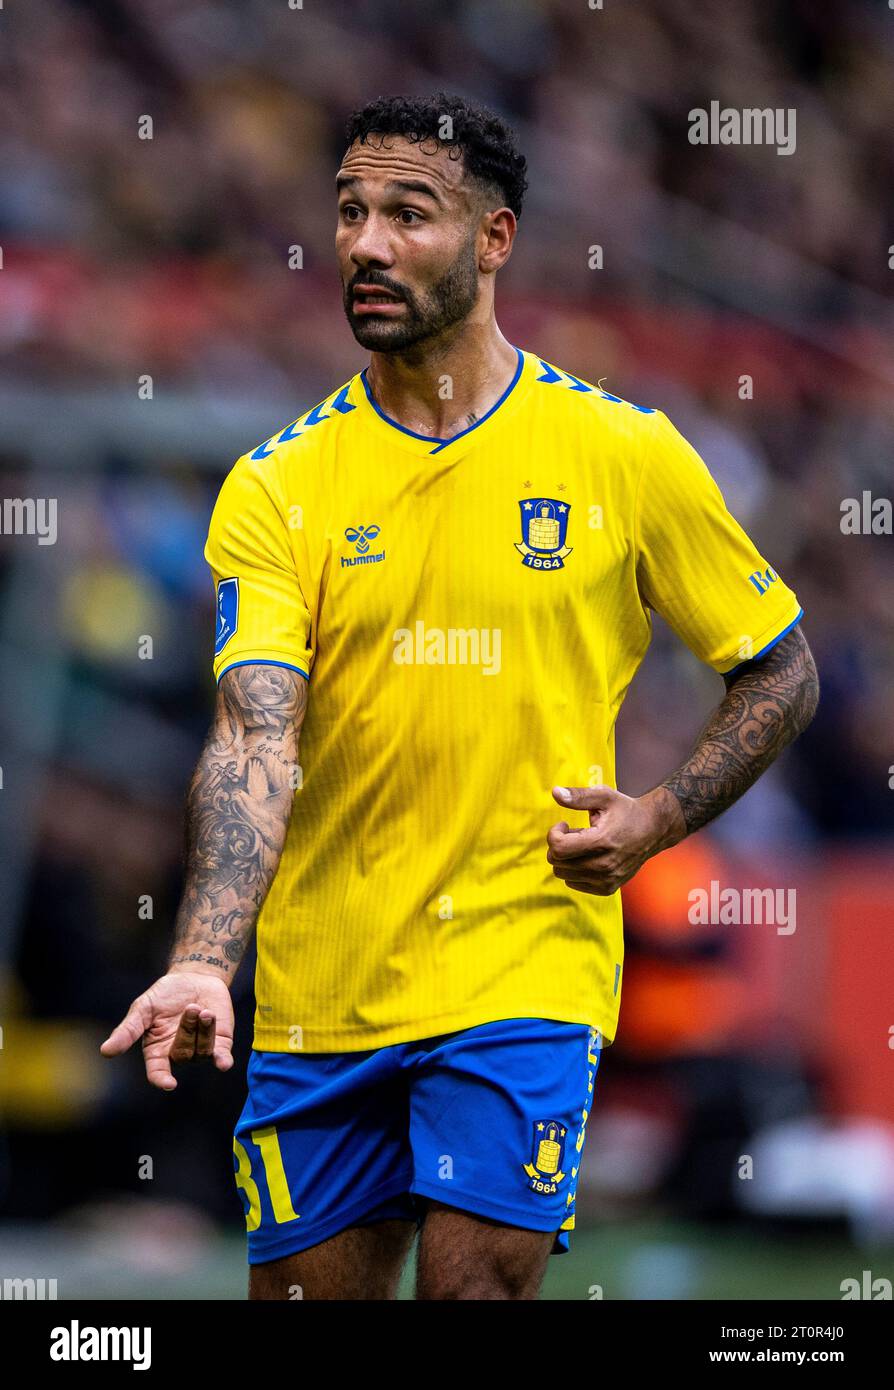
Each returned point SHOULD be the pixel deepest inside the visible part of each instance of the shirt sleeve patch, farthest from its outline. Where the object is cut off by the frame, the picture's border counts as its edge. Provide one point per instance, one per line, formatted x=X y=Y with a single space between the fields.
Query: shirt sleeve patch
x=227 y=613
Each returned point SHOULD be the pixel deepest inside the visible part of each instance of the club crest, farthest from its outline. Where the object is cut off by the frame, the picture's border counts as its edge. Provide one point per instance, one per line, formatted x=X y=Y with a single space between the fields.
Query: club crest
x=547 y=1155
x=544 y=524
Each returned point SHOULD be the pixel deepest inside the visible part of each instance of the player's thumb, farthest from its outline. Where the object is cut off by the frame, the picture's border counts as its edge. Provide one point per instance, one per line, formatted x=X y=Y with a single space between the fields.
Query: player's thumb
x=584 y=798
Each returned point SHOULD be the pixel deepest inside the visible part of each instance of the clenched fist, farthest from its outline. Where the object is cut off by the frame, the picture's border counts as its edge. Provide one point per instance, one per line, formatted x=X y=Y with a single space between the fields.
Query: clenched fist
x=624 y=832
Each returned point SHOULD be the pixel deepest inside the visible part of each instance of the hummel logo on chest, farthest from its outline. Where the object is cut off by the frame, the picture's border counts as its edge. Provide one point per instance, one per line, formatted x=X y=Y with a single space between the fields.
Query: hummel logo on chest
x=361 y=537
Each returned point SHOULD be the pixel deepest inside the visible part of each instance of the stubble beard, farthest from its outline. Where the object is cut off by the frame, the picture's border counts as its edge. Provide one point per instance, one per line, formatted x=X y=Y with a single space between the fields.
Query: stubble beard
x=449 y=301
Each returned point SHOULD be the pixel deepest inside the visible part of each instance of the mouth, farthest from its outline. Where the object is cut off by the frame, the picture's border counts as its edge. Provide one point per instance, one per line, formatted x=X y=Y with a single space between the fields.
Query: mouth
x=372 y=299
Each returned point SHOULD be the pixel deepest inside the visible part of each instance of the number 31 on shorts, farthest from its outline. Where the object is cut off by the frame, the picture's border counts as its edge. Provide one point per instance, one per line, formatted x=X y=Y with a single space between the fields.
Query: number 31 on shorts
x=267 y=1141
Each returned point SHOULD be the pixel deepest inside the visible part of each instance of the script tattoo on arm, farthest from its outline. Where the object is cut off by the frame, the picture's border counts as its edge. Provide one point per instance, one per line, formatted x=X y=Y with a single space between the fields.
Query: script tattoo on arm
x=768 y=703
x=237 y=813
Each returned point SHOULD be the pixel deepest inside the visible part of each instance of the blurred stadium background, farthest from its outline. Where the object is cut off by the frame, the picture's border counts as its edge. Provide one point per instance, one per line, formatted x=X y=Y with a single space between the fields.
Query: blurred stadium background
x=168 y=258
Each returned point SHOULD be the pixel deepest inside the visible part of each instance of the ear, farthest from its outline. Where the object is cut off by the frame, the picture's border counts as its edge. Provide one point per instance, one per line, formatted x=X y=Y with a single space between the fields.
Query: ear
x=499 y=227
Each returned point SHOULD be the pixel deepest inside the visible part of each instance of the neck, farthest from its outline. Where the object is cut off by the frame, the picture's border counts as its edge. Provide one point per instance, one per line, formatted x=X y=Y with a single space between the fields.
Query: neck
x=444 y=387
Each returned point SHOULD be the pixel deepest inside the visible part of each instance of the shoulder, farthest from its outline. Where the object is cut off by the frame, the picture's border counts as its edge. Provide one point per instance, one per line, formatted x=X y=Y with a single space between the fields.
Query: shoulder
x=584 y=415
x=259 y=480
x=574 y=395
x=311 y=431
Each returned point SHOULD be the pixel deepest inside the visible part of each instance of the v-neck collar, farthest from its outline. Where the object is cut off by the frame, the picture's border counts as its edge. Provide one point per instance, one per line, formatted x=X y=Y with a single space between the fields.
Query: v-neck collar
x=425 y=444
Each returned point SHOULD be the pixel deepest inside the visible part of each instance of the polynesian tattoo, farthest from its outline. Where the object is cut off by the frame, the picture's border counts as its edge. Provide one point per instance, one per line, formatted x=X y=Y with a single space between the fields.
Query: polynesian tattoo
x=237 y=812
x=768 y=703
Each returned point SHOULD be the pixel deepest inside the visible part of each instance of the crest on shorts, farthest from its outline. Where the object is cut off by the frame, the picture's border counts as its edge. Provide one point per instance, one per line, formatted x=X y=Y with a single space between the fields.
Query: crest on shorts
x=544 y=524
x=547 y=1155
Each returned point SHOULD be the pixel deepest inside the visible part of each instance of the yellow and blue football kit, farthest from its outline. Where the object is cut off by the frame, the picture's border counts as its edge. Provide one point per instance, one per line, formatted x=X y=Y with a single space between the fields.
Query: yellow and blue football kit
x=469 y=613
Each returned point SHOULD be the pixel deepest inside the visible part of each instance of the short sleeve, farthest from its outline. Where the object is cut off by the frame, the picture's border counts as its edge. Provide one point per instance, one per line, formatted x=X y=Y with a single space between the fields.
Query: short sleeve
x=695 y=564
x=261 y=612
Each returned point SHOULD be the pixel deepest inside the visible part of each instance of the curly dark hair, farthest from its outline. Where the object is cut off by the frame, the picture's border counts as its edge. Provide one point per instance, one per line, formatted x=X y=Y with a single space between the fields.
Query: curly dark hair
x=485 y=143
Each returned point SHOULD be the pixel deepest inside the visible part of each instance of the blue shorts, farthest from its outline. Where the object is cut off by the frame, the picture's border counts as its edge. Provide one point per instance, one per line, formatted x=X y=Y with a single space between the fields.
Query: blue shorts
x=491 y=1120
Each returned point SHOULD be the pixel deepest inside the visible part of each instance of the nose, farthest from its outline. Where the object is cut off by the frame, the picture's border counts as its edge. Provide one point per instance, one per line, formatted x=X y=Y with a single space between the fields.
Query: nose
x=371 y=244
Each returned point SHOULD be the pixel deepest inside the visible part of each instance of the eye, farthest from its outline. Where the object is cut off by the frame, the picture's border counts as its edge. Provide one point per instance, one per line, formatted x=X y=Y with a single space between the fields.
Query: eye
x=350 y=212
x=409 y=213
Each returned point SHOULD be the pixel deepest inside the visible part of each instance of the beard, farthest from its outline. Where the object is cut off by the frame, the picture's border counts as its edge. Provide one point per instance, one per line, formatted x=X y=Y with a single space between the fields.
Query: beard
x=425 y=316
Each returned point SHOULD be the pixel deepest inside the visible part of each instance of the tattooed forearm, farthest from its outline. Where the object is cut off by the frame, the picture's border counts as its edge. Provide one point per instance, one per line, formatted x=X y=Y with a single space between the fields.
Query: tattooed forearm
x=237 y=813
x=767 y=705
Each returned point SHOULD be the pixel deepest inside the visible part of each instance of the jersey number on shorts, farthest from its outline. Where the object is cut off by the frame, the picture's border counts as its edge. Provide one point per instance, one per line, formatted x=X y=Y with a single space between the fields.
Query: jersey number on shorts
x=267 y=1141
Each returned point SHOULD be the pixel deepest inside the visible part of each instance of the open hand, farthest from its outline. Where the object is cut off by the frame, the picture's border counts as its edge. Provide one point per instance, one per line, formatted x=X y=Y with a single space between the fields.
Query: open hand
x=183 y=1015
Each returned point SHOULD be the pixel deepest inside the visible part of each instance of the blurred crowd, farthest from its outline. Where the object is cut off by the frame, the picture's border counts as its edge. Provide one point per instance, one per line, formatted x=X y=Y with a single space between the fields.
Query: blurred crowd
x=130 y=243
x=170 y=256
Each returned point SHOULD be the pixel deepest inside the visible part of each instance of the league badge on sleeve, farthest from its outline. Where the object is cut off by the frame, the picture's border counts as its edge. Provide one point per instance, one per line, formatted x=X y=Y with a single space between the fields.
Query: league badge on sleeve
x=227 y=612
x=547 y=1155
x=544 y=524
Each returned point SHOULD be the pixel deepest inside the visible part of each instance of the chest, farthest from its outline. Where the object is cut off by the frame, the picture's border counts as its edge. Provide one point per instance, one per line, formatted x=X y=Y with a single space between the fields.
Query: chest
x=481 y=543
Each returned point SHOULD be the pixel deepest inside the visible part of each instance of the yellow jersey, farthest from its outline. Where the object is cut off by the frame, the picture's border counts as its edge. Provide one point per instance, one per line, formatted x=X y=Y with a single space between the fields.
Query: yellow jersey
x=469 y=614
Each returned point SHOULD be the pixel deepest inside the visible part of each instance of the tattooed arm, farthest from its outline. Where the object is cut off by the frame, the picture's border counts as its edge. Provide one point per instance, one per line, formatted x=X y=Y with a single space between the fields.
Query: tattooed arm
x=768 y=703
x=238 y=810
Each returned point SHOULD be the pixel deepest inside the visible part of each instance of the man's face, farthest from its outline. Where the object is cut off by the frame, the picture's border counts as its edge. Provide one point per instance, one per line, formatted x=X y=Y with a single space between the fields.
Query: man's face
x=407 y=227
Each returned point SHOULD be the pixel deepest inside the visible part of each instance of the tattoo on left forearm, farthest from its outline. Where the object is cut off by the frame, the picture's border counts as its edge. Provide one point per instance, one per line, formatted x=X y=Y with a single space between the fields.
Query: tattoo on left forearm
x=766 y=706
